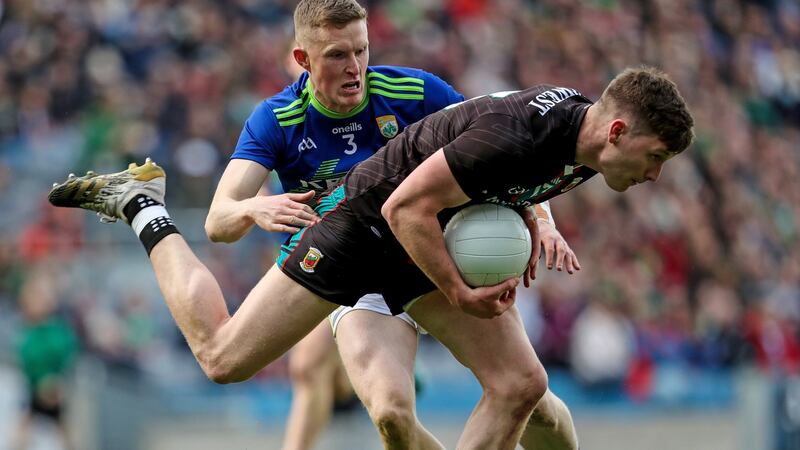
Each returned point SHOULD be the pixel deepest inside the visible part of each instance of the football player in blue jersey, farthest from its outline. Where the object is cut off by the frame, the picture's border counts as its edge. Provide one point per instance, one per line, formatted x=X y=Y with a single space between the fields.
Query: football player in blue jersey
x=339 y=112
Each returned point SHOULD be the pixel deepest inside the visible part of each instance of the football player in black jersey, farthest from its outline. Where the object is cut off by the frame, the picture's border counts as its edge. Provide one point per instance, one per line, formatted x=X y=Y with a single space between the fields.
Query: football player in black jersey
x=383 y=233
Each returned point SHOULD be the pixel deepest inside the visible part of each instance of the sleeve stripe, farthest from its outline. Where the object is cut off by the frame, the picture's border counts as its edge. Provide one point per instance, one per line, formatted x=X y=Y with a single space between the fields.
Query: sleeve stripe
x=395 y=80
x=289 y=106
x=396 y=87
x=287 y=123
x=396 y=95
x=293 y=112
x=303 y=99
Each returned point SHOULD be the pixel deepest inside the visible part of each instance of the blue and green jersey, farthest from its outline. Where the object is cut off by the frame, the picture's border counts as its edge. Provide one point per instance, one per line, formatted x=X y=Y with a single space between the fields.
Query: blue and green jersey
x=311 y=147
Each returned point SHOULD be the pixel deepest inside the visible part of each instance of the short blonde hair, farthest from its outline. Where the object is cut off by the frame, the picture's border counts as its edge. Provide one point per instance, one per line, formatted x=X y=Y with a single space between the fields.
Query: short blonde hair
x=312 y=14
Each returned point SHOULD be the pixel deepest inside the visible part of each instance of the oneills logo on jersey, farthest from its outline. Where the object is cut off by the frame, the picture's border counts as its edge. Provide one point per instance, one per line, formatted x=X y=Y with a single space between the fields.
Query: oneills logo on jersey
x=311 y=260
x=388 y=126
x=352 y=127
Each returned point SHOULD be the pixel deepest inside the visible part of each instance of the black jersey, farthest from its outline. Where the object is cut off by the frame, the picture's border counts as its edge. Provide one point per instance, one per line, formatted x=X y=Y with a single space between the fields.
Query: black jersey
x=511 y=148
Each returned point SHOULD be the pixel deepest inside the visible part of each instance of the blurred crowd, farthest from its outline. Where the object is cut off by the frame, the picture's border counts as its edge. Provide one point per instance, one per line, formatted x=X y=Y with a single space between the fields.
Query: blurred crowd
x=700 y=270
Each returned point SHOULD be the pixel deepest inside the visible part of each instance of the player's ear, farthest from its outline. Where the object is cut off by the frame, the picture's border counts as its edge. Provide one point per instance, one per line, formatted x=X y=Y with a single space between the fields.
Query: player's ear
x=301 y=57
x=616 y=129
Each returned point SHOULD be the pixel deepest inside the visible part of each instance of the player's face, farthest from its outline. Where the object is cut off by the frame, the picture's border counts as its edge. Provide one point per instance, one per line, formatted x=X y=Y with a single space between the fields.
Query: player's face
x=633 y=159
x=337 y=64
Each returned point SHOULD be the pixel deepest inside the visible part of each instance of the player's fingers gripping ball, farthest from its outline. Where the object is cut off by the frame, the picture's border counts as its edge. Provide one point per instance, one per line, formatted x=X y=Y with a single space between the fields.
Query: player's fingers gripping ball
x=488 y=243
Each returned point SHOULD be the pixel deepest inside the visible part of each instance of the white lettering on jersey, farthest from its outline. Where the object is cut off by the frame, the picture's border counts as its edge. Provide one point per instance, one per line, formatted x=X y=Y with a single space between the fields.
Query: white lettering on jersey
x=306 y=144
x=352 y=145
x=550 y=98
x=355 y=126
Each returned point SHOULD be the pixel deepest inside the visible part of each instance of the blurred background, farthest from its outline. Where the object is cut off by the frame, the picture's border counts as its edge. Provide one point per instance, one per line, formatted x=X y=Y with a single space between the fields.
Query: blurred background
x=681 y=331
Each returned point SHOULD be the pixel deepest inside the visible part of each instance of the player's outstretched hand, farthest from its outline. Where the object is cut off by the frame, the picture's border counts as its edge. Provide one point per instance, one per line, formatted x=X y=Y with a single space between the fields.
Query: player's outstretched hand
x=489 y=301
x=283 y=213
x=557 y=252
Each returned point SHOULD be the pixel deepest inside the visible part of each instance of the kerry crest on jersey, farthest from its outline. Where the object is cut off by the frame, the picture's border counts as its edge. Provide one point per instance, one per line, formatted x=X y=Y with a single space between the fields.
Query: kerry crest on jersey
x=388 y=126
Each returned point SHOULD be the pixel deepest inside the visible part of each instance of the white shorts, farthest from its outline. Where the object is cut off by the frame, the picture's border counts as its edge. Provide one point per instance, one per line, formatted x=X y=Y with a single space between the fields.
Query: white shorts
x=374 y=303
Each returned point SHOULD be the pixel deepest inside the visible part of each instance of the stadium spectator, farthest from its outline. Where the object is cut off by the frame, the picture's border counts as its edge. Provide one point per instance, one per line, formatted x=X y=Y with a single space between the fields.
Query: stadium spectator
x=46 y=349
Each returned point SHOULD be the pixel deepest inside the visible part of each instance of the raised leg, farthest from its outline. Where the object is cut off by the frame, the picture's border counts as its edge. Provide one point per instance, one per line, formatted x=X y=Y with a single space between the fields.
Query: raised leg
x=276 y=314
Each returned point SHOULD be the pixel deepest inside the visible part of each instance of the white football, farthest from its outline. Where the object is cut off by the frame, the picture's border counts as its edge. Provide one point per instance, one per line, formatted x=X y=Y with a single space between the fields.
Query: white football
x=488 y=243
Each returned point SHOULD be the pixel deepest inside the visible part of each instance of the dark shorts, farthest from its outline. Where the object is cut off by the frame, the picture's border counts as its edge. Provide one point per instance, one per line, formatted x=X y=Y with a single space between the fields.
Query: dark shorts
x=340 y=259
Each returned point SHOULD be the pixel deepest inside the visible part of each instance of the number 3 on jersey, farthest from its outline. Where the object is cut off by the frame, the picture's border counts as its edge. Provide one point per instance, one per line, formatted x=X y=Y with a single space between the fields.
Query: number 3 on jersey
x=353 y=146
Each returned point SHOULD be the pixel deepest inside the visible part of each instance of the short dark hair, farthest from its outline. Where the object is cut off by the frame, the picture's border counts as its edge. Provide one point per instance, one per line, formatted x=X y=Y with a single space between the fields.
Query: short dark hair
x=654 y=103
x=311 y=14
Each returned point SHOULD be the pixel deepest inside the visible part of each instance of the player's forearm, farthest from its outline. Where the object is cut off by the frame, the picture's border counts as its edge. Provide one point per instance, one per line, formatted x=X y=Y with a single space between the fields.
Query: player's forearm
x=228 y=221
x=421 y=236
